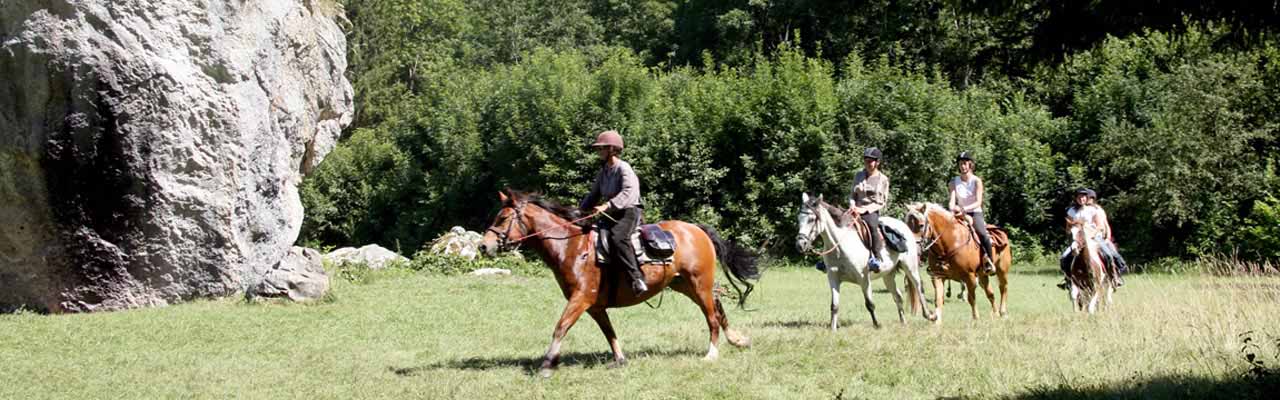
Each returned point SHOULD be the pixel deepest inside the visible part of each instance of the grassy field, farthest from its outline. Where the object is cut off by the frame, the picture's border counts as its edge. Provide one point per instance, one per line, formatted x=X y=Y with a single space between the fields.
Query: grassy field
x=421 y=336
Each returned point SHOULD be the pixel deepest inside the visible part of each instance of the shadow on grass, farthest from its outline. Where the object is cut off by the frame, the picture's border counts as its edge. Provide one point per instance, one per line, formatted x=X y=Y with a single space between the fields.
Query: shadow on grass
x=822 y=323
x=530 y=365
x=1165 y=387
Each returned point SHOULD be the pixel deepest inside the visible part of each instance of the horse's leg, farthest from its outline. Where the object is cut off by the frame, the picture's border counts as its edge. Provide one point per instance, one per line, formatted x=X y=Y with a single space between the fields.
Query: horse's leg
x=1093 y=300
x=971 y=286
x=892 y=285
x=705 y=300
x=1003 y=276
x=1074 y=294
x=602 y=318
x=917 y=287
x=865 y=282
x=985 y=280
x=937 y=298
x=573 y=310
x=833 y=281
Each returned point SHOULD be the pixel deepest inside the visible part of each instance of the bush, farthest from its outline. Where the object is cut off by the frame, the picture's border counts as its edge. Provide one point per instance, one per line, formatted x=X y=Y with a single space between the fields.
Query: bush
x=443 y=264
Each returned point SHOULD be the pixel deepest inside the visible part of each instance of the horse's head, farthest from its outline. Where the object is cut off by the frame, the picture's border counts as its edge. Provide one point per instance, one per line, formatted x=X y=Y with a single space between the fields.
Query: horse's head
x=917 y=219
x=808 y=219
x=1082 y=235
x=511 y=225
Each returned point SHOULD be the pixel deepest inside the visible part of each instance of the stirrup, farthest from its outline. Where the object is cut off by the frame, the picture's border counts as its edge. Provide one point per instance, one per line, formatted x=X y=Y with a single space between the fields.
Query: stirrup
x=639 y=287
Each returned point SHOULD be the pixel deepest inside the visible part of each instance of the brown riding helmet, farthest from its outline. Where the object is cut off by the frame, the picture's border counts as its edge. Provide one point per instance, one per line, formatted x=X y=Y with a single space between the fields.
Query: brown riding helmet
x=608 y=138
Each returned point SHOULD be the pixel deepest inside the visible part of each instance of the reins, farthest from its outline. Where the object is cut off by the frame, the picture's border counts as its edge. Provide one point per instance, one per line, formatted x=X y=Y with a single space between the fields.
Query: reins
x=928 y=227
x=558 y=226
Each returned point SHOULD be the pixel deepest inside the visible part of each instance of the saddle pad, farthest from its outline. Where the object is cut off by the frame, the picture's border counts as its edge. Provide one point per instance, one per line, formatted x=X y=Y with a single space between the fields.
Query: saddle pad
x=657 y=242
x=894 y=239
x=604 y=250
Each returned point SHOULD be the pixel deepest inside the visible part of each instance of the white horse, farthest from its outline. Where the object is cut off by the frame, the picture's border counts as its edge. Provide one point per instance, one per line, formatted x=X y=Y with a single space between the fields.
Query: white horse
x=846 y=258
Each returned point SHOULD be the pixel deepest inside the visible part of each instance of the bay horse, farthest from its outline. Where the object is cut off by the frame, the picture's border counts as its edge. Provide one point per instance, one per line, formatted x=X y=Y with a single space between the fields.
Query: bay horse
x=954 y=243
x=1088 y=274
x=847 y=258
x=559 y=235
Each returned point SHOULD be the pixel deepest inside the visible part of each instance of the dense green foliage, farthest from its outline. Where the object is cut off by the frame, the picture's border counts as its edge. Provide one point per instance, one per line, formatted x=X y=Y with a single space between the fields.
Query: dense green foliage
x=732 y=109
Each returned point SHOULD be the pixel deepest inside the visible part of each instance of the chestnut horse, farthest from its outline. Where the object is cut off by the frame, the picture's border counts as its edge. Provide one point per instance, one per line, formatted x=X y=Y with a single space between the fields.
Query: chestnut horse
x=558 y=234
x=951 y=242
x=1087 y=276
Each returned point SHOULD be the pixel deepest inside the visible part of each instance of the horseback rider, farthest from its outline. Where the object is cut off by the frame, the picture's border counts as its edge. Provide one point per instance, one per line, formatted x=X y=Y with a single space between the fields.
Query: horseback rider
x=619 y=188
x=1106 y=241
x=870 y=193
x=1086 y=210
x=966 y=199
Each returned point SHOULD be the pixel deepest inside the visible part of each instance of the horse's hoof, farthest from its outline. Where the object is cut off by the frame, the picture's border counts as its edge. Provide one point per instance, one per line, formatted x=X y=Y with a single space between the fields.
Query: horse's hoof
x=545 y=372
x=710 y=358
x=617 y=364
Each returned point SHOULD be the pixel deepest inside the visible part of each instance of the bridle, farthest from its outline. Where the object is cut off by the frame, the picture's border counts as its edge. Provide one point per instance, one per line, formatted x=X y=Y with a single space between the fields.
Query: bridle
x=812 y=235
x=504 y=236
x=929 y=230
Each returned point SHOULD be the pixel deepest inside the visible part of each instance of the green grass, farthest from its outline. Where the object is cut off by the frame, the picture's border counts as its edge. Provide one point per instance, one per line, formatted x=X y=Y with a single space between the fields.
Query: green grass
x=424 y=336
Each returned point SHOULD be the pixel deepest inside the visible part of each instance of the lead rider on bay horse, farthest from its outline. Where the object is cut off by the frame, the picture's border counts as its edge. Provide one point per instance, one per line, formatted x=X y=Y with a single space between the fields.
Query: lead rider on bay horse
x=618 y=185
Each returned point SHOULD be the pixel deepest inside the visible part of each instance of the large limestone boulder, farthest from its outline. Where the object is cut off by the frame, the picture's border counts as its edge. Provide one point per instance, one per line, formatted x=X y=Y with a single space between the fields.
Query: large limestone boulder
x=372 y=256
x=150 y=150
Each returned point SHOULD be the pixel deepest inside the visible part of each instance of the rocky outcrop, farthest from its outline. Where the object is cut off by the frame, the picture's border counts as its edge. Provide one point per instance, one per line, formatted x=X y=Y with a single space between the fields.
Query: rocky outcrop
x=372 y=256
x=458 y=242
x=150 y=150
x=299 y=277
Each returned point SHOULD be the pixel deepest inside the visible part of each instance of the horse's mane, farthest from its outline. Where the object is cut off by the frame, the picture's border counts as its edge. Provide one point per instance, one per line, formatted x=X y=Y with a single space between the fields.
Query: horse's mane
x=836 y=212
x=567 y=212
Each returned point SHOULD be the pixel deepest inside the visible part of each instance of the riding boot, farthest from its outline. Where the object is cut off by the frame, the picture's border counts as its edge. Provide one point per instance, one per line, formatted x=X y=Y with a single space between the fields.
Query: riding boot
x=1115 y=271
x=821 y=266
x=988 y=266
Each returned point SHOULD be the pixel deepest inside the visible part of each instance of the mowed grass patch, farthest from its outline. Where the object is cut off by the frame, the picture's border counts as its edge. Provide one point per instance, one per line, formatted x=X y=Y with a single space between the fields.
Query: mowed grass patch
x=426 y=336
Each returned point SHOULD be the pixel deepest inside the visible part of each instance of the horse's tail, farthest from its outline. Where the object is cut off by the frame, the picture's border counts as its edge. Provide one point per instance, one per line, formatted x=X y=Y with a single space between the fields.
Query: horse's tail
x=913 y=295
x=739 y=261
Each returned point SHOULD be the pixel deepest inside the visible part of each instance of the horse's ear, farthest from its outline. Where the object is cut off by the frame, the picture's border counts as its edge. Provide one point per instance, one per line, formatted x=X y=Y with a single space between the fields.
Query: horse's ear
x=819 y=197
x=804 y=197
x=502 y=196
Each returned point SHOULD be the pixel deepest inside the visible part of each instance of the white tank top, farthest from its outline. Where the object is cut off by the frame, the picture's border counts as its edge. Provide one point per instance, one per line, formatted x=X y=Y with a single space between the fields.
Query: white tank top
x=966 y=192
x=1084 y=214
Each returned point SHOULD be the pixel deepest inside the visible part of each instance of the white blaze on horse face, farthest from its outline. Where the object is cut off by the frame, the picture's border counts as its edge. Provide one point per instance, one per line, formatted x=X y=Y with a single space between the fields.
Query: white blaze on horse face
x=806 y=221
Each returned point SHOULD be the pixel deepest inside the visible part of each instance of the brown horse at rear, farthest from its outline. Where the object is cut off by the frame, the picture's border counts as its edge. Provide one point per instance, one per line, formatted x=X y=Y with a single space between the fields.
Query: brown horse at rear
x=563 y=240
x=954 y=253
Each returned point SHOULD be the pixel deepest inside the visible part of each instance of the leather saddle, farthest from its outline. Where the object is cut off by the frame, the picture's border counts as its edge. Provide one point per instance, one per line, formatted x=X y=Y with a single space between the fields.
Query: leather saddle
x=653 y=245
x=999 y=238
x=894 y=240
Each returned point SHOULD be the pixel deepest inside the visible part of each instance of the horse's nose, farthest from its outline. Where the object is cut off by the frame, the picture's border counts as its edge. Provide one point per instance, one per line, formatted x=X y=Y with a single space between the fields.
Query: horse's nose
x=484 y=249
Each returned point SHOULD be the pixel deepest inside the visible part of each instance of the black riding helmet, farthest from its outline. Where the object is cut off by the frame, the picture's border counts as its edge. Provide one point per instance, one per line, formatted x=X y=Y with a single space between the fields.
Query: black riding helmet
x=964 y=155
x=872 y=153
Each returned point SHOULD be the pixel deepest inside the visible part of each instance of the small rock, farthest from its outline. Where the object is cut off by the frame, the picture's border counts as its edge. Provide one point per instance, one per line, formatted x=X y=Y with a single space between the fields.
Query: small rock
x=373 y=256
x=299 y=277
x=490 y=271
